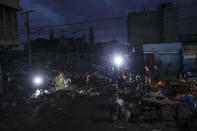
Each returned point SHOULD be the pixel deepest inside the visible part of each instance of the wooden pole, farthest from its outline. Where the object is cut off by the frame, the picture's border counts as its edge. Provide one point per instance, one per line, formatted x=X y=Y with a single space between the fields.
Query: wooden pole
x=28 y=36
x=1 y=82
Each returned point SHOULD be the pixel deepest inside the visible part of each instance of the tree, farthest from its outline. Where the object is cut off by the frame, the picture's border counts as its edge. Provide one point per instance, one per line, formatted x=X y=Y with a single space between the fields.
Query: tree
x=91 y=36
x=43 y=45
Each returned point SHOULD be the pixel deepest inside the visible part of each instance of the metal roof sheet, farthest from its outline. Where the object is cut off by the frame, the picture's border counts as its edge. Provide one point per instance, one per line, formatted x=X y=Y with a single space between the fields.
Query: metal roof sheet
x=162 y=47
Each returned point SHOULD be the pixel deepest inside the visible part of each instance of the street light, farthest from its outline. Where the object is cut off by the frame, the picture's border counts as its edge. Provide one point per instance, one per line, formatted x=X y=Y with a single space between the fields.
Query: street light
x=118 y=61
x=38 y=80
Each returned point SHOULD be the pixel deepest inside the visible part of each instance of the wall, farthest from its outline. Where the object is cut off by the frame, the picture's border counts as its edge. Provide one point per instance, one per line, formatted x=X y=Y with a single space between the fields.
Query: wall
x=190 y=60
x=170 y=25
x=11 y=3
x=143 y=27
x=9 y=35
x=153 y=26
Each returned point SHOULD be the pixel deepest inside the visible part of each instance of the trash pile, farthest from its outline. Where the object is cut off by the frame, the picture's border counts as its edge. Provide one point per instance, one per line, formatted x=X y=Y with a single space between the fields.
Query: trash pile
x=172 y=97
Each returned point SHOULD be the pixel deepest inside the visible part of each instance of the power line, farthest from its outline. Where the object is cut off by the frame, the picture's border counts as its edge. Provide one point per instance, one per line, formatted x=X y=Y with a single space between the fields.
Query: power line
x=28 y=35
x=83 y=22
x=79 y=30
x=39 y=29
x=105 y=24
x=100 y=28
x=70 y=31
x=102 y=20
x=104 y=28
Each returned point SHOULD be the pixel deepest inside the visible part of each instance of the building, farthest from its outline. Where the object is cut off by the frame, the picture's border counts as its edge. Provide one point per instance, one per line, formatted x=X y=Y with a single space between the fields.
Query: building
x=159 y=26
x=190 y=57
x=190 y=50
x=167 y=56
x=9 y=35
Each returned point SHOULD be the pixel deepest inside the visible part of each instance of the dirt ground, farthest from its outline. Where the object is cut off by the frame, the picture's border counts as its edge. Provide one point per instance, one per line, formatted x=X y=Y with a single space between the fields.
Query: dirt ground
x=84 y=113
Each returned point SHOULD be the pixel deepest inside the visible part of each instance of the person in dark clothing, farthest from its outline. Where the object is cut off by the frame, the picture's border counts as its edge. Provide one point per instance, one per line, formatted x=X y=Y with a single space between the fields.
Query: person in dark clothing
x=148 y=75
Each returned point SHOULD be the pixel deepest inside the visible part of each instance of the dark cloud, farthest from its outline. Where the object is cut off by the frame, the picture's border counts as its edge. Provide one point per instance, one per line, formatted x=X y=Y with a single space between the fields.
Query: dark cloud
x=74 y=10
x=49 y=12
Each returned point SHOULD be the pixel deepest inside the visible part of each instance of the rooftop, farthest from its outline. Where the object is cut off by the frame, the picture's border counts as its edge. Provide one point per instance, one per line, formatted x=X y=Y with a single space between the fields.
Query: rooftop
x=11 y=3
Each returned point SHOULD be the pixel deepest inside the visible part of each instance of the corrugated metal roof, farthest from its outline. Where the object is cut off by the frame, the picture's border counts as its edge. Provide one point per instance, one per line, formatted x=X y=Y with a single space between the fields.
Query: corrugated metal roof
x=11 y=3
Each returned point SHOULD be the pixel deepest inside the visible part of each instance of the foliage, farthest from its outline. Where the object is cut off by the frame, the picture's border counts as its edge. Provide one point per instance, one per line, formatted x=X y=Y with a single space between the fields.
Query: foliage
x=59 y=81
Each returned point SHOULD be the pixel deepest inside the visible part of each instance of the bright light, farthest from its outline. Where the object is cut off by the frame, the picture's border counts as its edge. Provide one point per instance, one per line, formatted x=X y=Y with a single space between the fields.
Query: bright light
x=118 y=60
x=38 y=80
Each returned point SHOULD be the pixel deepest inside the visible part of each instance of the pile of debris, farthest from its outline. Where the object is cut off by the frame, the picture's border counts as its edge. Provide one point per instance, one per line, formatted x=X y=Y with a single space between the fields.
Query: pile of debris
x=155 y=97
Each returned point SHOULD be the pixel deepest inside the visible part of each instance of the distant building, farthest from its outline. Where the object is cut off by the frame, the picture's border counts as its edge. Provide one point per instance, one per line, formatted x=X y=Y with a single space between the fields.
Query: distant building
x=159 y=26
x=9 y=35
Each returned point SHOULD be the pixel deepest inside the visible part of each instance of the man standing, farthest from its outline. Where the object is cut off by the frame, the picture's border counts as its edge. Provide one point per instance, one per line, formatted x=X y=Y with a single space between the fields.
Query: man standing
x=148 y=75
x=88 y=80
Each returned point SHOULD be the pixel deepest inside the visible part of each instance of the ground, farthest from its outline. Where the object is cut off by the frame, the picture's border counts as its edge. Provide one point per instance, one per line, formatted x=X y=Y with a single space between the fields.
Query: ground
x=81 y=113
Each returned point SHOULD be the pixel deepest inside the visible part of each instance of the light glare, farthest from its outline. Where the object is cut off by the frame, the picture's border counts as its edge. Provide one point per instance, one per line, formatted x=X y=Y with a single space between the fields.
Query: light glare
x=38 y=80
x=118 y=60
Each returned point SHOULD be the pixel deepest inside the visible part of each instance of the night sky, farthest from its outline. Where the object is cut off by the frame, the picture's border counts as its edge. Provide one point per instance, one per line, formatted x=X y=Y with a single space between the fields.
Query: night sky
x=52 y=12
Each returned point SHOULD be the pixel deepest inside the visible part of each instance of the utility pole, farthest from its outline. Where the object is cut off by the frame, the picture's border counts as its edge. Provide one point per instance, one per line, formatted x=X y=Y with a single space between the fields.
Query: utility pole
x=1 y=82
x=28 y=35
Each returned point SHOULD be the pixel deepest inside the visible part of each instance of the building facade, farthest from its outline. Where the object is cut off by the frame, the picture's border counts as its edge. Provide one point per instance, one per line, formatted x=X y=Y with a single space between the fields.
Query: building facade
x=9 y=34
x=159 y=26
x=167 y=56
x=190 y=57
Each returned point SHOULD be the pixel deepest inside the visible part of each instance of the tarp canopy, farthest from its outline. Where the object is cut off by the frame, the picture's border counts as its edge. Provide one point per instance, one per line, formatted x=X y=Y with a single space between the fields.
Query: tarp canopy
x=163 y=47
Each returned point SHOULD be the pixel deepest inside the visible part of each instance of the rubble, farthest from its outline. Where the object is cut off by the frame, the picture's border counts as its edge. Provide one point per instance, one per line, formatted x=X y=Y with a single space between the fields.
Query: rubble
x=94 y=93
x=137 y=102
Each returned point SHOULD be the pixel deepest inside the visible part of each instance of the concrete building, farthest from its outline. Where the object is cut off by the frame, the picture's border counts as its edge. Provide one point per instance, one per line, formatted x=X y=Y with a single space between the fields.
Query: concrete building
x=190 y=57
x=159 y=26
x=167 y=56
x=190 y=50
x=9 y=35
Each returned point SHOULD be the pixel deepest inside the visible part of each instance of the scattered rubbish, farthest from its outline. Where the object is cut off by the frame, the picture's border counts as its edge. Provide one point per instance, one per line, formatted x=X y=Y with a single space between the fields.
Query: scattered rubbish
x=188 y=99
x=160 y=84
x=4 y=104
x=94 y=93
x=52 y=105
x=14 y=104
x=126 y=115
x=35 y=111
x=81 y=92
x=146 y=126
x=60 y=109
